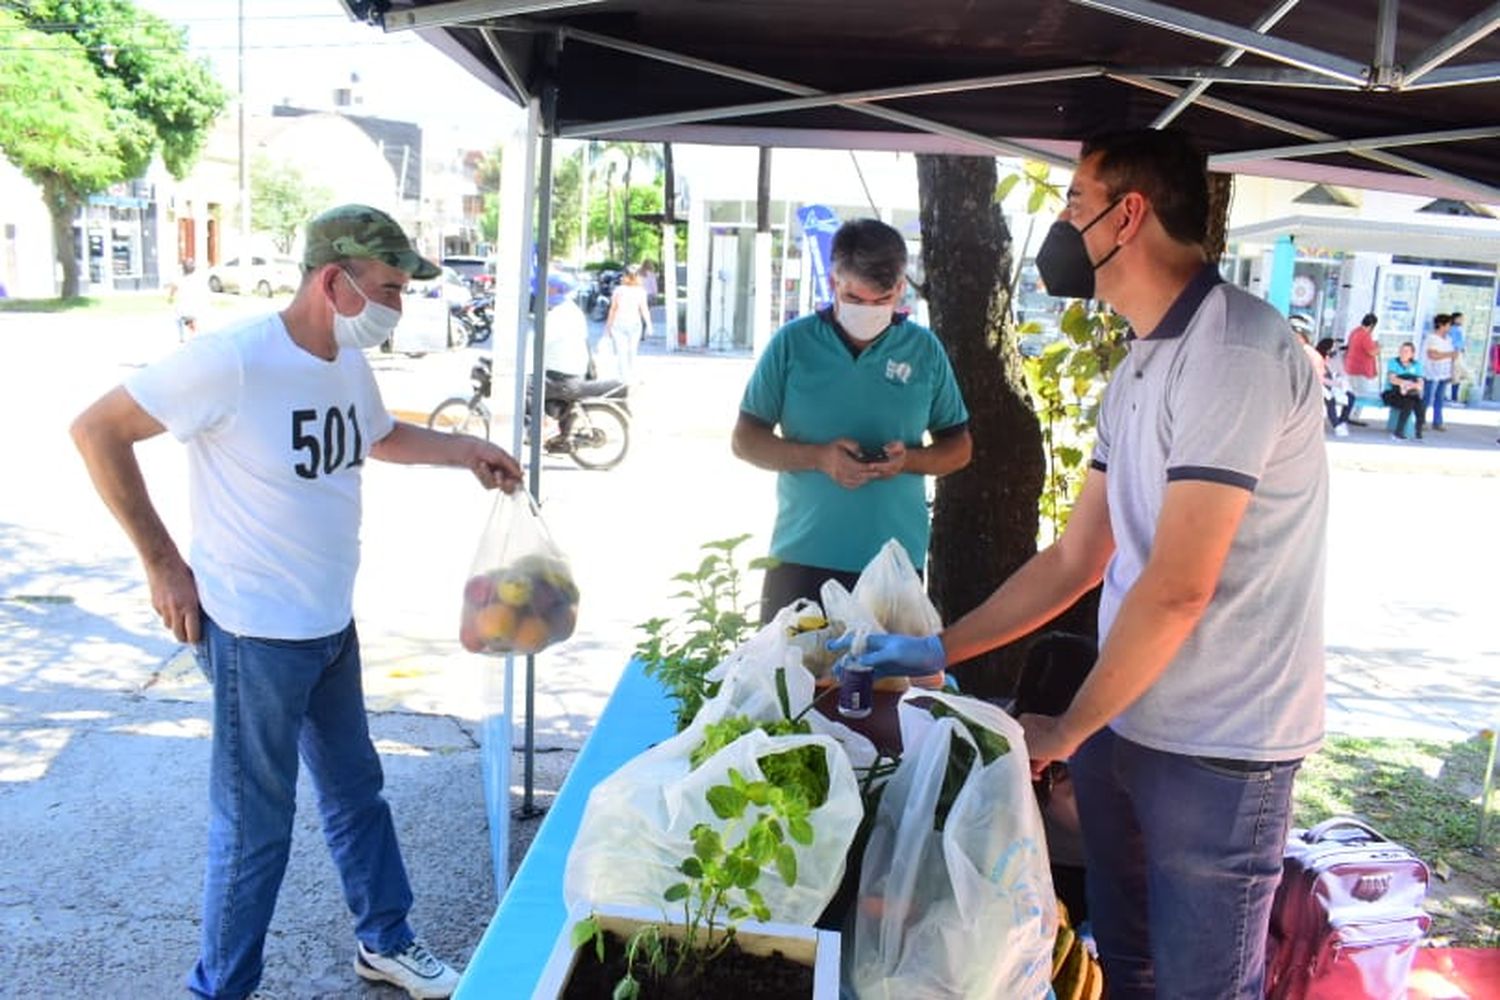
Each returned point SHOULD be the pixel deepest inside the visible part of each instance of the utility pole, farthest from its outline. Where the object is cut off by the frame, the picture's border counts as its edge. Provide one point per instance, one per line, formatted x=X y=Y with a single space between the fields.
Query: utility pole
x=761 y=325
x=583 y=223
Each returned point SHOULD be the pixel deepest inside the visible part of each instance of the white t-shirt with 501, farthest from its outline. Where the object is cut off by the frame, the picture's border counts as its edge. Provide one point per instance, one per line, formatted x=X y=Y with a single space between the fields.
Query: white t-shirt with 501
x=276 y=440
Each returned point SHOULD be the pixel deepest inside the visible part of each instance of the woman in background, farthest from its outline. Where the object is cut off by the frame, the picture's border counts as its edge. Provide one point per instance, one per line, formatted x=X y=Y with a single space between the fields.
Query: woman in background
x=629 y=318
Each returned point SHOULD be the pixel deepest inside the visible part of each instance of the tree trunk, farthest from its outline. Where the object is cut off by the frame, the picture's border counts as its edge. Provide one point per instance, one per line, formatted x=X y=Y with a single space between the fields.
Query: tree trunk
x=609 y=211
x=625 y=257
x=1220 y=195
x=62 y=207
x=583 y=226
x=984 y=522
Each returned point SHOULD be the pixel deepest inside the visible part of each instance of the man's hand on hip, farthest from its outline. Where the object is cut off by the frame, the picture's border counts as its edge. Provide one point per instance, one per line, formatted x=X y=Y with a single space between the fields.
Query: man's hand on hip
x=174 y=595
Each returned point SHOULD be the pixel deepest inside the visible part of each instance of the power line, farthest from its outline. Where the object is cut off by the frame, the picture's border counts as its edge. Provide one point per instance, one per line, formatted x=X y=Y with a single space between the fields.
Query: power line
x=393 y=44
x=133 y=22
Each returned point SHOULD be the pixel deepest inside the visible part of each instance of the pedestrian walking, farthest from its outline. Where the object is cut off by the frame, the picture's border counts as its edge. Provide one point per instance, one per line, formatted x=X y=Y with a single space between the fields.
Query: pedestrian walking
x=628 y=320
x=1362 y=361
x=189 y=298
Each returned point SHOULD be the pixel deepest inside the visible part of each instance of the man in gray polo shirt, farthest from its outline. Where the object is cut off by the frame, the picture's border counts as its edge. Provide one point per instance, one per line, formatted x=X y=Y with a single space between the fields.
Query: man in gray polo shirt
x=1204 y=515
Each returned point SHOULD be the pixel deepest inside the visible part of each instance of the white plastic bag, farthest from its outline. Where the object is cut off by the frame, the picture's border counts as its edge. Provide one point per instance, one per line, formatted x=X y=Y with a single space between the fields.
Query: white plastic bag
x=520 y=596
x=747 y=679
x=890 y=589
x=888 y=597
x=968 y=911
x=636 y=827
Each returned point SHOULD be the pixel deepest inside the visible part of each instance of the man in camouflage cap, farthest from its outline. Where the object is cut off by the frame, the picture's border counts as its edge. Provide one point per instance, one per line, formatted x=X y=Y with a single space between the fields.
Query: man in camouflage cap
x=361 y=232
x=279 y=414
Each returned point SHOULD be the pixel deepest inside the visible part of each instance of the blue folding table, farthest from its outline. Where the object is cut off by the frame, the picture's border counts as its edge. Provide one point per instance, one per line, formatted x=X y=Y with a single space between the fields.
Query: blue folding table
x=519 y=939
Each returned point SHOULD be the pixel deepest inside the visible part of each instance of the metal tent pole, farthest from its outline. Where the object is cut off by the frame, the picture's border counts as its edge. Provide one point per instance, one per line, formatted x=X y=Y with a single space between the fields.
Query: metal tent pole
x=529 y=808
x=497 y=739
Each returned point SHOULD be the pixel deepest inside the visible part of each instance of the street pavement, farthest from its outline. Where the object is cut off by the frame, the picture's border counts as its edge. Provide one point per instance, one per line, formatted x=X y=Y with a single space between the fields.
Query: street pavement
x=103 y=719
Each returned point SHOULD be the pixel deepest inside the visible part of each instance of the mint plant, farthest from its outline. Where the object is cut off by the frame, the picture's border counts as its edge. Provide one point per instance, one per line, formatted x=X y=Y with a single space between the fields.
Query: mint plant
x=761 y=821
x=679 y=653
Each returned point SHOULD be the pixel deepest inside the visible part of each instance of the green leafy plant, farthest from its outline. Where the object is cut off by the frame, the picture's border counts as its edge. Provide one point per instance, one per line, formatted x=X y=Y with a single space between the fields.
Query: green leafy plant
x=961 y=755
x=1066 y=382
x=720 y=876
x=718 y=890
x=679 y=653
x=1068 y=376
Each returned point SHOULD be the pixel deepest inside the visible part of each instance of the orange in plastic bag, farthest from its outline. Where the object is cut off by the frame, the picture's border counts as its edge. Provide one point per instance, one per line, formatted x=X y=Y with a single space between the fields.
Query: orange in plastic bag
x=520 y=596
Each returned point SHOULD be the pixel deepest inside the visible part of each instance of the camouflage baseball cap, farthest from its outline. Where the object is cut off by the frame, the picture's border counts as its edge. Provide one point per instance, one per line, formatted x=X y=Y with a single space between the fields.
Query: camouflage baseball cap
x=360 y=231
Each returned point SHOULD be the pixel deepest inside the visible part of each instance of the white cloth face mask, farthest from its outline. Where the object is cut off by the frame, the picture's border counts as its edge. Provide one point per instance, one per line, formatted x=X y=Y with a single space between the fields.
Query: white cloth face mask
x=862 y=322
x=370 y=327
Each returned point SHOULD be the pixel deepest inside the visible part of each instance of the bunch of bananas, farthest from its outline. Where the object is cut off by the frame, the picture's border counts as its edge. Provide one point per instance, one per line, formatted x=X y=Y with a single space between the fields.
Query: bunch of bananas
x=1075 y=973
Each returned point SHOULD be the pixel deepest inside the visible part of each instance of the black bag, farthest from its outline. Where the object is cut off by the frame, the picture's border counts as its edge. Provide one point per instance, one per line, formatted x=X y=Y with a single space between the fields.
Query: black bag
x=1391 y=397
x=1347 y=918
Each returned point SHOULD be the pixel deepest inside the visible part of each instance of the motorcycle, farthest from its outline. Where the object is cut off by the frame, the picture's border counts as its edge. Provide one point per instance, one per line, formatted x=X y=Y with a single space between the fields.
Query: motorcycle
x=474 y=318
x=601 y=292
x=597 y=419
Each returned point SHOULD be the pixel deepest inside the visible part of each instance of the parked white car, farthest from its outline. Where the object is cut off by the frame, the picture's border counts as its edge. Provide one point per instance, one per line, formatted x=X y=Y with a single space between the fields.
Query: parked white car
x=427 y=322
x=263 y=276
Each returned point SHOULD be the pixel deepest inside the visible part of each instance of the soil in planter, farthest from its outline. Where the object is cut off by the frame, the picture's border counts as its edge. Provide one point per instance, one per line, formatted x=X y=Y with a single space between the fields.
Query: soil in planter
x=733 y=974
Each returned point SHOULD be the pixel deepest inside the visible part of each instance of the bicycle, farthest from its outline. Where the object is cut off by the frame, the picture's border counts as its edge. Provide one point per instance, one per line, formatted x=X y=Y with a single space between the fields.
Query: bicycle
x=466 y=416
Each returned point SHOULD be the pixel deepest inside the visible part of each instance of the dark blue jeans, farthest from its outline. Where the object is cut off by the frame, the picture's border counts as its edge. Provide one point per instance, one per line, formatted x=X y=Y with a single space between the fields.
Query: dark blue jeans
x=1184 y=855
x=274 y=699
x=1433 y=391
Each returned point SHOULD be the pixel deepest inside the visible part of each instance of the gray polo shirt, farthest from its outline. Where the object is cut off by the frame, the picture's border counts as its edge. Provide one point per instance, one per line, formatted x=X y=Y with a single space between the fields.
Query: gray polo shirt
x=1222 y=392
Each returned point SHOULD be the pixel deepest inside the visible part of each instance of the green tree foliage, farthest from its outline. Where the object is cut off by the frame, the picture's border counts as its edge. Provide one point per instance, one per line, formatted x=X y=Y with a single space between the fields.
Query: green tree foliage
x=605 y=209
x=1067 y=379
x=100 y=89
x=51 y=102
x=489 y=219
x=282 y=200
x=567 y=180
x=487 y=179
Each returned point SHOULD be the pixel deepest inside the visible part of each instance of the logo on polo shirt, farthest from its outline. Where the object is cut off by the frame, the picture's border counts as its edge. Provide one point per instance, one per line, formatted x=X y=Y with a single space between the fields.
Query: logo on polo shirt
x=898 y=371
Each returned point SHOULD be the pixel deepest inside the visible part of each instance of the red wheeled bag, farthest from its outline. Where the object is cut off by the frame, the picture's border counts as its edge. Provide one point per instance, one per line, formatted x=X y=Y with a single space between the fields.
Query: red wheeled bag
x=1347 y=918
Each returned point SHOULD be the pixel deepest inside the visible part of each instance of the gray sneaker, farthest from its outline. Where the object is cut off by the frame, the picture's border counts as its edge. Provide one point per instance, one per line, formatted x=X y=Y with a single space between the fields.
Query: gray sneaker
x=415 y=969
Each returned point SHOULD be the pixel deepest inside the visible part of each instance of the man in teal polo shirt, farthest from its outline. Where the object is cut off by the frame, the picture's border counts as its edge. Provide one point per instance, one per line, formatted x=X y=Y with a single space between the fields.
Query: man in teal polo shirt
x=854 y=390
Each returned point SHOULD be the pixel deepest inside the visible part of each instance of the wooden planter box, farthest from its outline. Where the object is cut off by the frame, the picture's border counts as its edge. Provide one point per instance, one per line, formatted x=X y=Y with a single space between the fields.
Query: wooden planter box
x=806 y=945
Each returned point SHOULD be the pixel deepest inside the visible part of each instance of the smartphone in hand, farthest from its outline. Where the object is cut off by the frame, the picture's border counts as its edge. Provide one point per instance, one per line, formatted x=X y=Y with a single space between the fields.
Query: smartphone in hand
x=869 y=455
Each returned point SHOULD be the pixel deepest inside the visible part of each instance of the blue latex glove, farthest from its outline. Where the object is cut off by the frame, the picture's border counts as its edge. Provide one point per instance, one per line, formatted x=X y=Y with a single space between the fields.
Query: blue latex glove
x=898 y=655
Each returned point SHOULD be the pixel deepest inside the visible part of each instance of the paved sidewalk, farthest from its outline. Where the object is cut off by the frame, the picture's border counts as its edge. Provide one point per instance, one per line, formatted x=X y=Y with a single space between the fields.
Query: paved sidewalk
x=103 y=721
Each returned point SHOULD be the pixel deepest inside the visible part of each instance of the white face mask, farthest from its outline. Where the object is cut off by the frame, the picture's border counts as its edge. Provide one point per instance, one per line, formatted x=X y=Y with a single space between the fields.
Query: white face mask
x=862 y=322
x=370 y=327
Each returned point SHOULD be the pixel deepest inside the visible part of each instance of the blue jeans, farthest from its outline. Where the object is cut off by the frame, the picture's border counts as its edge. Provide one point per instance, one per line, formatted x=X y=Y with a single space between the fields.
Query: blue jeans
x=273 y=699
x=1433 y=391
x=1184 y=855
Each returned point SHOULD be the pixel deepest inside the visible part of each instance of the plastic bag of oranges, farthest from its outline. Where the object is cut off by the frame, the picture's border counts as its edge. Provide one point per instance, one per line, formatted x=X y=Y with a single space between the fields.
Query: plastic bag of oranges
x=520 y=596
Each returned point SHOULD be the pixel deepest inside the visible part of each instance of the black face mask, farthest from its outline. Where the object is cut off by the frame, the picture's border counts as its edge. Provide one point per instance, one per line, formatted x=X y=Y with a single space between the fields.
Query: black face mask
x=1063 y=260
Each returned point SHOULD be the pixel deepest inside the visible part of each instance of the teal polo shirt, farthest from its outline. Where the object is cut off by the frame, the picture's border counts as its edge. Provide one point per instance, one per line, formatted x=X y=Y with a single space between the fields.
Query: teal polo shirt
x=813 y=385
